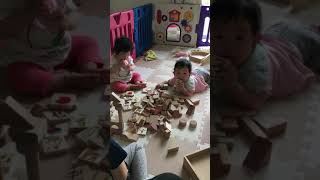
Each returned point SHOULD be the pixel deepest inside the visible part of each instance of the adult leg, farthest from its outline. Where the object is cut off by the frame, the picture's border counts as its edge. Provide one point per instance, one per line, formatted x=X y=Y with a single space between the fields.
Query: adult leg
x=119 y=86
x=136 y=161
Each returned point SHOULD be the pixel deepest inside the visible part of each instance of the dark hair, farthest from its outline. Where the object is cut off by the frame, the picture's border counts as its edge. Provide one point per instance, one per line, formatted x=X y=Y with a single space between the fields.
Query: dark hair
x=226 y=10
x=182 y=63
x=122 y=44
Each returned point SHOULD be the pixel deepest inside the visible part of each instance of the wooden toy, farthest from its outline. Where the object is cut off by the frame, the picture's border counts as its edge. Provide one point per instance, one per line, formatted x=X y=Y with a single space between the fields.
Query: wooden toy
x=53 y=145
x=198 y=56
x=87 y=134
x=229 y=125
x=216 y=163
x=252 y=129
x=182 y=123
x=193 y=124
x=195 y=101
x=259 y=154
x=142 y=131
x=63 y=102
x=225 y=140
x=164 y=86
x=92 y=156
x=37 y=110
x=129 y=93
x=197 y=164
x=273 y=126
x=190 y=110
x=172 y=145
x=56 y=117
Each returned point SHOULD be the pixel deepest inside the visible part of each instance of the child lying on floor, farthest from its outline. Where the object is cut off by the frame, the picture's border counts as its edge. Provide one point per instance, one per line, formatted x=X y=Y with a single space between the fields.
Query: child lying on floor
x=122 y=76
x=251 y=67
x=186 y=81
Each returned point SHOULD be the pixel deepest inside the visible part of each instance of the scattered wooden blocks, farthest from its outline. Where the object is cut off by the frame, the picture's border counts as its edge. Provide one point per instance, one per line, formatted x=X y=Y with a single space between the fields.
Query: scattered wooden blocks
x=272 y=127
x=193 y=124
x=190 y=110
x=142 y=131
x=195 y=101
x=63 y=102
x=164 y=87
x=259 y=154
x=173 y=146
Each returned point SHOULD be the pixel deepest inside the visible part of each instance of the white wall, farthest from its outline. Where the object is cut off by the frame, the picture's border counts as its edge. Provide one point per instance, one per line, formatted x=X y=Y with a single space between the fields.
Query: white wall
x=121 y=5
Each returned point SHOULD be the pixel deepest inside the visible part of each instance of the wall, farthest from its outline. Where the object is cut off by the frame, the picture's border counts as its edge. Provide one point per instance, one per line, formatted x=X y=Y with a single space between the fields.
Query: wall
x=121 y=5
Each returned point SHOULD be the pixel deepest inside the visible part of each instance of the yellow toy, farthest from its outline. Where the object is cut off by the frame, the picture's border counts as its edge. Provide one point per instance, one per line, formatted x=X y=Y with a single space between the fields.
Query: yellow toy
x=150 y=56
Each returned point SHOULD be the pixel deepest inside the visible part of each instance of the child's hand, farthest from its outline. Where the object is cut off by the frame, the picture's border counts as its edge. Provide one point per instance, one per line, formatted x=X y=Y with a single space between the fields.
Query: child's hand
x=226 y=72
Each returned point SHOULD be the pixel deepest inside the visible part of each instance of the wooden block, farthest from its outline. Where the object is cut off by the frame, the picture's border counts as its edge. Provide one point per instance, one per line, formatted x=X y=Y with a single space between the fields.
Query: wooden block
x=129 y=94
x=172 y=145
x=259 y=154
x=252 y=129
x=169 y=115
x=190 y=110
x=197 y=164
x=92 y=156
x=116 y=98
x=126 y=107
x=230 y=125
x=167 y=133
x=193 y=124
x=142 y=131
x=272 y=127
x=54 y=145
x=195 y=101
x=182 y=122
x=168 y=126
x=164 y=87
x=216 y=163
x=153 y=127
x=188 y=103
x=224 y=155
x=63 y=102
x=176 y=114
x=181 y=101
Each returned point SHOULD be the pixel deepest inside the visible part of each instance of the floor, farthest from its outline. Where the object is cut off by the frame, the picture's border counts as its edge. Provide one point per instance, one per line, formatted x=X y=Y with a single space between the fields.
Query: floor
x=295 y=154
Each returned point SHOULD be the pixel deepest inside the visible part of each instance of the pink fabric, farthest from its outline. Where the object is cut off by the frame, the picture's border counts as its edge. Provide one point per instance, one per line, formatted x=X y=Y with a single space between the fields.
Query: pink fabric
x=25 y=77
x=289 y=73
x=121 y=86
x=199 y=82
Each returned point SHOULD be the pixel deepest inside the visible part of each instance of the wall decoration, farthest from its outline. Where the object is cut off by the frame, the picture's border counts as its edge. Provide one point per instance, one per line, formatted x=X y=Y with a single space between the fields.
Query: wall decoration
x=188 y=15
x=184 y=22
x=188 y=28
x=164 y=18
x=158 y=16
x=186 y=38
x=160 y=36
x=174 y=16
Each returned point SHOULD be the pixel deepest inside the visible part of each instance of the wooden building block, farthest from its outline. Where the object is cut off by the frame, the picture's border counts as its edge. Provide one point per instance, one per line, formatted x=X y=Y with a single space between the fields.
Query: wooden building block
x=182 y=123
x=116 y=98
x=252 y=129
x=193 y=124
x=129 y=94
x=273 y=126
x=92 y=156
x=53 y=145
x=195 y=101
x=197 y=164
x=229 y=125
x=164 y=87
x=176 y=114
x=188 y=102
x=142 y=131
x=224 y=155
x=167 y=133
x=172 y=145
x=63 y=102
x=190 y=110
x=259 y=154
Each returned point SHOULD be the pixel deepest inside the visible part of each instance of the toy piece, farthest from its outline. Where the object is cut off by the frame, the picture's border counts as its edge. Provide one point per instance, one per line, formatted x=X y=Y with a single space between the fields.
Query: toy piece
x=129 y=94
x=198 y=56
x=142 y=131
x=252 y=129
x=87 y=134
x=272 y=127
x=164 y=87
x=229 y=125
x=173 y=146
x=193 y=124
x=55 y=117
x=13 y=113
x=259 y=154
x=190 y=110
x=116 y=98
x=182 y=123
x=197 y=164
x=92 y=156
x=53 y=145
x=37 y=110
x=150 y=55
x=224 y=156
x=126 y=106
x=63 y=102
x=195 y=101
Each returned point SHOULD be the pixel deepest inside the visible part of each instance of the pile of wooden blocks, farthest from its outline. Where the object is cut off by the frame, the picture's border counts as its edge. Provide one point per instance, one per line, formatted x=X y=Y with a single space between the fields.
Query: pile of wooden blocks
x=259 y=133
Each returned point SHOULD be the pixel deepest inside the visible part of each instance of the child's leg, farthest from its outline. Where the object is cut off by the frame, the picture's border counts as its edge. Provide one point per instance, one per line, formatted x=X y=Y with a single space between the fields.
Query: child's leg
x=29 y=78
x=204 y=73
x=119 y=86
x=136 y=161
x=84 y=55
x=136 y=78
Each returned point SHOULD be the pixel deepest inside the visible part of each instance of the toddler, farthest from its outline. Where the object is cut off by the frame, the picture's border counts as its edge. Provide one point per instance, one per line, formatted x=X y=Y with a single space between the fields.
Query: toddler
x=249 y=66
x=123 y=78
x=186 y=81
x=39 y=53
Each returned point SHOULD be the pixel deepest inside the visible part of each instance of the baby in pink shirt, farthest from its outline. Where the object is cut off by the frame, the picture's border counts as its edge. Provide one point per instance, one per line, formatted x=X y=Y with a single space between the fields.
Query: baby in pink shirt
x=186 y=81
x=250 y=67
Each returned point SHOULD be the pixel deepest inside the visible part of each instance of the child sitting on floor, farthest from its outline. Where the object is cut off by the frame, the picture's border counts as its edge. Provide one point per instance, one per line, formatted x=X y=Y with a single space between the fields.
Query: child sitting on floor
x=251 y=67
x=122 y=76
x=186 y=81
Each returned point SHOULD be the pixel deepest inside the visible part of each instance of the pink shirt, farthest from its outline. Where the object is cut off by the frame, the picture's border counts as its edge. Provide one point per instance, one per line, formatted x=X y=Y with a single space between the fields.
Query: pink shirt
x=195 y=83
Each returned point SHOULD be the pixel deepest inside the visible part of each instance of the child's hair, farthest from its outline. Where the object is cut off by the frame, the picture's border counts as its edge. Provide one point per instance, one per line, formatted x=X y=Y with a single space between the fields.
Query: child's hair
x=227 y=10
x=182 y=63
x=122 y=44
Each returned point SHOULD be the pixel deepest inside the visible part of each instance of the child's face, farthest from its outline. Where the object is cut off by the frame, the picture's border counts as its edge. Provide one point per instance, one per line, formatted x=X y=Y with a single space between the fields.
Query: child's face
x=123 y=55
x=182 y=73
x=233 y=40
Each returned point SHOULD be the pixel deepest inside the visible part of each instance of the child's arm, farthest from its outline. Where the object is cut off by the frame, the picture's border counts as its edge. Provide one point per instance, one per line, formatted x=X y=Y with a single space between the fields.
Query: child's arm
x=186 y=91
x=169 y=82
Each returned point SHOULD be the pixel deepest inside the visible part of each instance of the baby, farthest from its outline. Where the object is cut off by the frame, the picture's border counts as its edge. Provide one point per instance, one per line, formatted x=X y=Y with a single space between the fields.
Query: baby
x=122 y=76
x=249 y=66
x=185 y=81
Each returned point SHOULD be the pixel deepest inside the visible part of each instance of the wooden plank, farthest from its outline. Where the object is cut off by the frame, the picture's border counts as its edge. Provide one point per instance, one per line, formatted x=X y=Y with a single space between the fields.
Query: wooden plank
x=272 y=126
